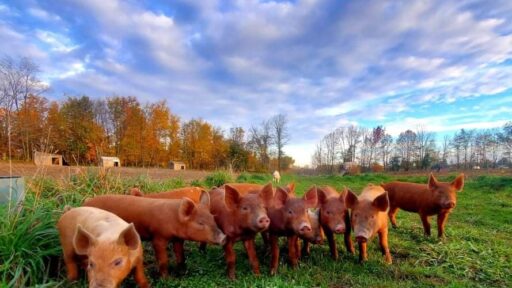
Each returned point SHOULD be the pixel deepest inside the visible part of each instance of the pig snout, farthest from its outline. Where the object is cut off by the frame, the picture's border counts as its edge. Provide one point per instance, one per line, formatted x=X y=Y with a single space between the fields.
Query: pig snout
x=221 y=238
x=339 y=229
x=449 y=205
x=304 y=228
x=361 y=239
x=263 y=222
x=102 y=284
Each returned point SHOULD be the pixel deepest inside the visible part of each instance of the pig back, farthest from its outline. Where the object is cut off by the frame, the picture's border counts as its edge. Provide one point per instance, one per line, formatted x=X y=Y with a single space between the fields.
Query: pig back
x=193 y=193
x=411 y=197
x=148 y=215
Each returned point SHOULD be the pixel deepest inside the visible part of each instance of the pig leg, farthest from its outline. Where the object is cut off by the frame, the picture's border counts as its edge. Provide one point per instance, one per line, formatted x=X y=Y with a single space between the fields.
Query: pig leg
x=392 y=216
x=292 y=250
x=348 y=241
x=426 y=224
x=230 y=256
x=160 y=246
x=202 y=247
x=71 y=266
x=274 y=247
x=297 y=248
x=140 y=278
x=250 y=248
x=363 y=256
x=441 y=221
x=332 y=243
x=305 y=248
x=177 y=246
x=383 y=241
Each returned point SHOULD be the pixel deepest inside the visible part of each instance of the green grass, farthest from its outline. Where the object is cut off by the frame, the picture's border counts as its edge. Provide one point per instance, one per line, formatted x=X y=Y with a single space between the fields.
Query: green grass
x=475 y=253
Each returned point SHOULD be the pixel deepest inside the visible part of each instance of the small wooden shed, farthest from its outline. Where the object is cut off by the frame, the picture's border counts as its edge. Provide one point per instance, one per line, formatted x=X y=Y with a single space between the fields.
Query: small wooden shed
x=47 y=159
x=176 y=165
x=110 y=162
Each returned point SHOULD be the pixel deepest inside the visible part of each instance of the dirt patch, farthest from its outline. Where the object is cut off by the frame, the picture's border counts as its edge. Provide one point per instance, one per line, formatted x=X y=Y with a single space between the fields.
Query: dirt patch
x=65 y=172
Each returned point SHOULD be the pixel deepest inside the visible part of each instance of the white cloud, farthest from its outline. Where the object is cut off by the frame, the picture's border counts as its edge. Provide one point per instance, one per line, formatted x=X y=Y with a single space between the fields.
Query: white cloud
x=57 y=42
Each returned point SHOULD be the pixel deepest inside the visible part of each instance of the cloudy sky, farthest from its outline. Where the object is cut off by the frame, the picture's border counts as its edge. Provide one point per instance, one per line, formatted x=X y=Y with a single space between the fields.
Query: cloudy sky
x=444 y=64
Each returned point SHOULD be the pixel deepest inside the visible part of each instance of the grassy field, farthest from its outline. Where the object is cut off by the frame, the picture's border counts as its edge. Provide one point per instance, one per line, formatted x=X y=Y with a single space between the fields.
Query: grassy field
x=476 y=252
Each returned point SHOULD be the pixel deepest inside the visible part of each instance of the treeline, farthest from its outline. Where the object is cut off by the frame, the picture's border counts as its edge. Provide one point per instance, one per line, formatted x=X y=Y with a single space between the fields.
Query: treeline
x=148 y=135
x=376 y=150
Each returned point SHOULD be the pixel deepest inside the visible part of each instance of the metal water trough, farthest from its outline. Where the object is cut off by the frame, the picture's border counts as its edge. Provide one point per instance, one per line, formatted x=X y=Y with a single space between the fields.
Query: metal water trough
x=12 y=189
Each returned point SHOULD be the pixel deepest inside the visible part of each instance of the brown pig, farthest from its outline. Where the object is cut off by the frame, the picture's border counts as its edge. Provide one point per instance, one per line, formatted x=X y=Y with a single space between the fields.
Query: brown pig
x=193 y=193
x=334 y=218
x=289 y=217
x=241 y=217
x=369 y=218
x=317 y=236
x=109 y=247
x=163 y=220
x=426 y=199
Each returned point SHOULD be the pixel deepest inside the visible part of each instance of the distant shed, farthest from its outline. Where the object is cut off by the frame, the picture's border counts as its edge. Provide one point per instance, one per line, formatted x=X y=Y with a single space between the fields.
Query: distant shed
x=110 y=162
x=175 y=165
x=47 y=159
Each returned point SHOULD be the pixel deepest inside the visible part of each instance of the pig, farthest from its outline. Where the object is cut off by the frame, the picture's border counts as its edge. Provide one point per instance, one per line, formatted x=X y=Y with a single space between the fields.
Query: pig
x=334 y=218
x=241 y=217
x=318 y=235
x=164 y=220
x=276 y=176
x=369 y=218
x=425 y=199
x=193 y=193
x=289 y=217
x=109 y=247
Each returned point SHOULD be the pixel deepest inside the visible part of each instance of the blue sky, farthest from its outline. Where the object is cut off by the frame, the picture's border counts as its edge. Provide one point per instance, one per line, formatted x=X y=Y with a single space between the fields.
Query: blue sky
x=442 y=64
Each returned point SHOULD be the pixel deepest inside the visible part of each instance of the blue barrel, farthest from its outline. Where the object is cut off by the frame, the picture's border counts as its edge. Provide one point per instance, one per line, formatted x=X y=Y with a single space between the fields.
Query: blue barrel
x=16 y=185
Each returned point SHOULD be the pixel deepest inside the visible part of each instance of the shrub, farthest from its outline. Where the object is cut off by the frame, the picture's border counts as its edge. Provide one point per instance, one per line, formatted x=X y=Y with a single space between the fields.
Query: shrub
x=377 y=168
x=29 y=243
x=354 y=170
x=218 y=179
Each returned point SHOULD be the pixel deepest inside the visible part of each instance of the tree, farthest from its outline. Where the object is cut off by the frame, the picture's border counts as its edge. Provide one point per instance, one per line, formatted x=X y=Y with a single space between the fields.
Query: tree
x=406 y=146
x=260 y=141
x=280 y=136
x=424 y=139
x=237 y=154
x=505 y=138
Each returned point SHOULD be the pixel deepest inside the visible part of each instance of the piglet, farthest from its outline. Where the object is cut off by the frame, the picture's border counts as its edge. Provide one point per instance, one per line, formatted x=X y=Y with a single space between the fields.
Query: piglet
x=161 y=220
x=109 y=247
x=425 y=199
x=334 y=218
x=241 y=217
x=289 y=218
x=369 y=218
x=317 y=237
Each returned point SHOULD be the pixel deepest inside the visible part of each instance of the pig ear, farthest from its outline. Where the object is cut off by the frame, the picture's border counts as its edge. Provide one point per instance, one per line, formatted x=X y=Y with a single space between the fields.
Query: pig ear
x=322 y=198
x=280 y=198
x=381 y=202
x=231 y=197
x=432 y=182
x=129 y=237
x=311 y=197
x=136 y=192
x=204 y=199
x=267 y=193
x=343 y=195
x=458 y=183
x=186 y=210
x=83 y=240
x=351 y=199
x=291 y=188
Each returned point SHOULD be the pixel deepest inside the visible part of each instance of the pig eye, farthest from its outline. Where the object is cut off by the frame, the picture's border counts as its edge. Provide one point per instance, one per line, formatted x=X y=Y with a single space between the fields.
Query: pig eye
x=201 y=223
x=245 y=208
x=290 y=212
x=118 y=262
x=328 y=213
x=91 y=265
